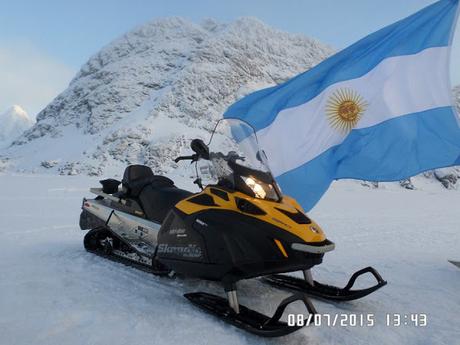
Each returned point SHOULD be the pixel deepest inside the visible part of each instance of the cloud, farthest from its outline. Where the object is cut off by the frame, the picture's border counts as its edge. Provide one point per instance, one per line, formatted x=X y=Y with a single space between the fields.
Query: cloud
x=29 y=77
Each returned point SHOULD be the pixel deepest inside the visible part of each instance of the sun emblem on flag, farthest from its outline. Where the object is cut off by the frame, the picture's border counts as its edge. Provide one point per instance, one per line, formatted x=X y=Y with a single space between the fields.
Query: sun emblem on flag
x=344 y=109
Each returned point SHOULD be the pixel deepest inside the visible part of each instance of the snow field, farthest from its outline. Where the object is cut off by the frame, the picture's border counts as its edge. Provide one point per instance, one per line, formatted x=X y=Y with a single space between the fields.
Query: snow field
x=53 y=292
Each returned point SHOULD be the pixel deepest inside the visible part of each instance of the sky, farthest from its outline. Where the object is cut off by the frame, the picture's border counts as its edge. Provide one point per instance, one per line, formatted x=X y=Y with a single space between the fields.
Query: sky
x=44 y=43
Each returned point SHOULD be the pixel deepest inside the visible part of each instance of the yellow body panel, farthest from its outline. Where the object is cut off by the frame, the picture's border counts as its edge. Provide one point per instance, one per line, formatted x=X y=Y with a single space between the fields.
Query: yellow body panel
x=307 y=232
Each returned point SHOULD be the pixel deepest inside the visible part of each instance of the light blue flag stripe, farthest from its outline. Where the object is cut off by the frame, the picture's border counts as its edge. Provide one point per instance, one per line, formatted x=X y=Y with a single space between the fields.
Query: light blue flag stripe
x=418 y=32
x=361 y=154
x=416 y=130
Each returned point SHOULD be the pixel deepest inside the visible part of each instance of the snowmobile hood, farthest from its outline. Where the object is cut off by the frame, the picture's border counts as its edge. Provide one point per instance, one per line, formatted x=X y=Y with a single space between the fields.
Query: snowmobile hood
x=287 y=214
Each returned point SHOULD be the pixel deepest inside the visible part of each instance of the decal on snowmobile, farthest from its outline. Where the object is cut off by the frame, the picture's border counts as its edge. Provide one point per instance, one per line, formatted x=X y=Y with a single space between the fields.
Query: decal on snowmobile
x=281 y=247
x=176 y=231
x=280 y=222
x=199 y=221
x=188 y=251
x=141 y=230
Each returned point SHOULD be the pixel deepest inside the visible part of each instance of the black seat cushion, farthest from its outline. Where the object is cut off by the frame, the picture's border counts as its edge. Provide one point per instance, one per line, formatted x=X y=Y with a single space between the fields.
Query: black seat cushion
x=136 y=177
x=156 y=194
x=158 y=200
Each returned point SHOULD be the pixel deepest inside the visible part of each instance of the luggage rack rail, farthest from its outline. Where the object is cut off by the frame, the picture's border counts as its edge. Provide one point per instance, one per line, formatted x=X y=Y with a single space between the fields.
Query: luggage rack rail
x=99 y=192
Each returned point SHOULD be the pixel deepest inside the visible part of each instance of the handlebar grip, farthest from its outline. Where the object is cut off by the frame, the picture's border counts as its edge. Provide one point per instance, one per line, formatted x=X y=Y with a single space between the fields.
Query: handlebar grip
x=181 y=158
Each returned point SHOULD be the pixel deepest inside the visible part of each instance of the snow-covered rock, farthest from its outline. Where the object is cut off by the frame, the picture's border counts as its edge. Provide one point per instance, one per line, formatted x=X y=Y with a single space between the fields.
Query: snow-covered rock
x=145 y=95
x=13 y=122
x=447 y=176
x=407 y=183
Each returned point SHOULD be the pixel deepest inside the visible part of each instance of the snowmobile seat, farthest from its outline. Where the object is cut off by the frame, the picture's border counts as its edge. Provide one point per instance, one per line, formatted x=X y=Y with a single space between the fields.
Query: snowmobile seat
x=155 y=193
x=157 y=200
x=136 y=177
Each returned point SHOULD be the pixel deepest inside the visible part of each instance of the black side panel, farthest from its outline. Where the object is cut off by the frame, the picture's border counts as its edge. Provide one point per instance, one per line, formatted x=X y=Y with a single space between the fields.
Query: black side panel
x=228 y=246
x=178 y=241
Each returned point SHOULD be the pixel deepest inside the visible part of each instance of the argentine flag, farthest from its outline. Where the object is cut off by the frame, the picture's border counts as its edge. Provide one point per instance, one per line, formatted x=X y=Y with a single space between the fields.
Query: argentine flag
x=379 y=110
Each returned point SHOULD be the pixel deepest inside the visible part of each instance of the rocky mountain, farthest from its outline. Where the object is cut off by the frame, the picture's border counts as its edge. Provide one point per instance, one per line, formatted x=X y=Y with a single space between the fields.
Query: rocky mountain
x=13 y=122
x=143 y=96
x=146 y=94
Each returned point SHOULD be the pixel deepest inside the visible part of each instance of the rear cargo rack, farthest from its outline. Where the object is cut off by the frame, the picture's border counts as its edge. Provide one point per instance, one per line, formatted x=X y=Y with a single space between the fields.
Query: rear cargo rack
x=99 y=192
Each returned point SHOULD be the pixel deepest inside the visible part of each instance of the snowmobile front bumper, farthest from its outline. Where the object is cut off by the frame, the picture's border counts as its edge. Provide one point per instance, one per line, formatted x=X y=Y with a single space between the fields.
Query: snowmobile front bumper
x=314 y=249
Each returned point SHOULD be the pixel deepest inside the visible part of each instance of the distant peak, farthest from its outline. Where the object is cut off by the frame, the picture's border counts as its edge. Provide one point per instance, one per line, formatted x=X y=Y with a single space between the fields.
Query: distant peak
x=16 y=111
x=13 y=122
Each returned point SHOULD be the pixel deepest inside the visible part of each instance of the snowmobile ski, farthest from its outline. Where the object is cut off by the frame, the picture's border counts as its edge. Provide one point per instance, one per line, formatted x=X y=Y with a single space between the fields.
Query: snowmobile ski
x=328 y=292
x=248 y=319
x=456 y=263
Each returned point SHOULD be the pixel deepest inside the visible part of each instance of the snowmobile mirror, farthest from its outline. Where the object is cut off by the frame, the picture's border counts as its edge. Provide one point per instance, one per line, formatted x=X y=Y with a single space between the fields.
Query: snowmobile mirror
x=261 y=156
x=200 y=148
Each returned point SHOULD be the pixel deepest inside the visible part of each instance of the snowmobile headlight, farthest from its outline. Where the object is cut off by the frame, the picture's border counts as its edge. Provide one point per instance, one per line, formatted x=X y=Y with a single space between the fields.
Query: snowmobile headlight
x=256 y=187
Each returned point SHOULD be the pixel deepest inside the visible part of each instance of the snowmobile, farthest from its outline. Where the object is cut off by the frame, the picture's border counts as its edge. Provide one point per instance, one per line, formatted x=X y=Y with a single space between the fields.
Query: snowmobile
x=239 y=226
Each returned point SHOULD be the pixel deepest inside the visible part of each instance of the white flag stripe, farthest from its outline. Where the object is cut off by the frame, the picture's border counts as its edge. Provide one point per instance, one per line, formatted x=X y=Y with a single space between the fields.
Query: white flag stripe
x=403 y=85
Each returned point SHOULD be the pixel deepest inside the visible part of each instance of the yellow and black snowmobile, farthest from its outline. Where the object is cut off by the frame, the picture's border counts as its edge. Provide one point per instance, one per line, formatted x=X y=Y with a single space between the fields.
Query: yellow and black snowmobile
x=239 y=226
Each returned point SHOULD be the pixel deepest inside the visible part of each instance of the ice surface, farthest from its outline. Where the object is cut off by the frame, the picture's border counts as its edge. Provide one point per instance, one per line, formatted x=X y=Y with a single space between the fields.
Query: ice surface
x=53 y=292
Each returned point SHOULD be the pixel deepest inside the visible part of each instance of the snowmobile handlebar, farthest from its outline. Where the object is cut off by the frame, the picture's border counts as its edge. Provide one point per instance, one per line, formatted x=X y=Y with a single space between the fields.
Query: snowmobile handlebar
x=201 y=151
x=183 y=158
x=232 y=156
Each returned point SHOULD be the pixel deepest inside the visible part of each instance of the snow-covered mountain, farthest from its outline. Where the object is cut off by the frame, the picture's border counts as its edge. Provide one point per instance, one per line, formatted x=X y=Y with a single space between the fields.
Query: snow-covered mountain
x=145 y=95
x=13 y=122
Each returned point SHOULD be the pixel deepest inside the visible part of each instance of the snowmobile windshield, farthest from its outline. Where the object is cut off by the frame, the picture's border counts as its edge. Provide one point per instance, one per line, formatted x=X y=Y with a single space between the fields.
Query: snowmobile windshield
x=237 y=162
